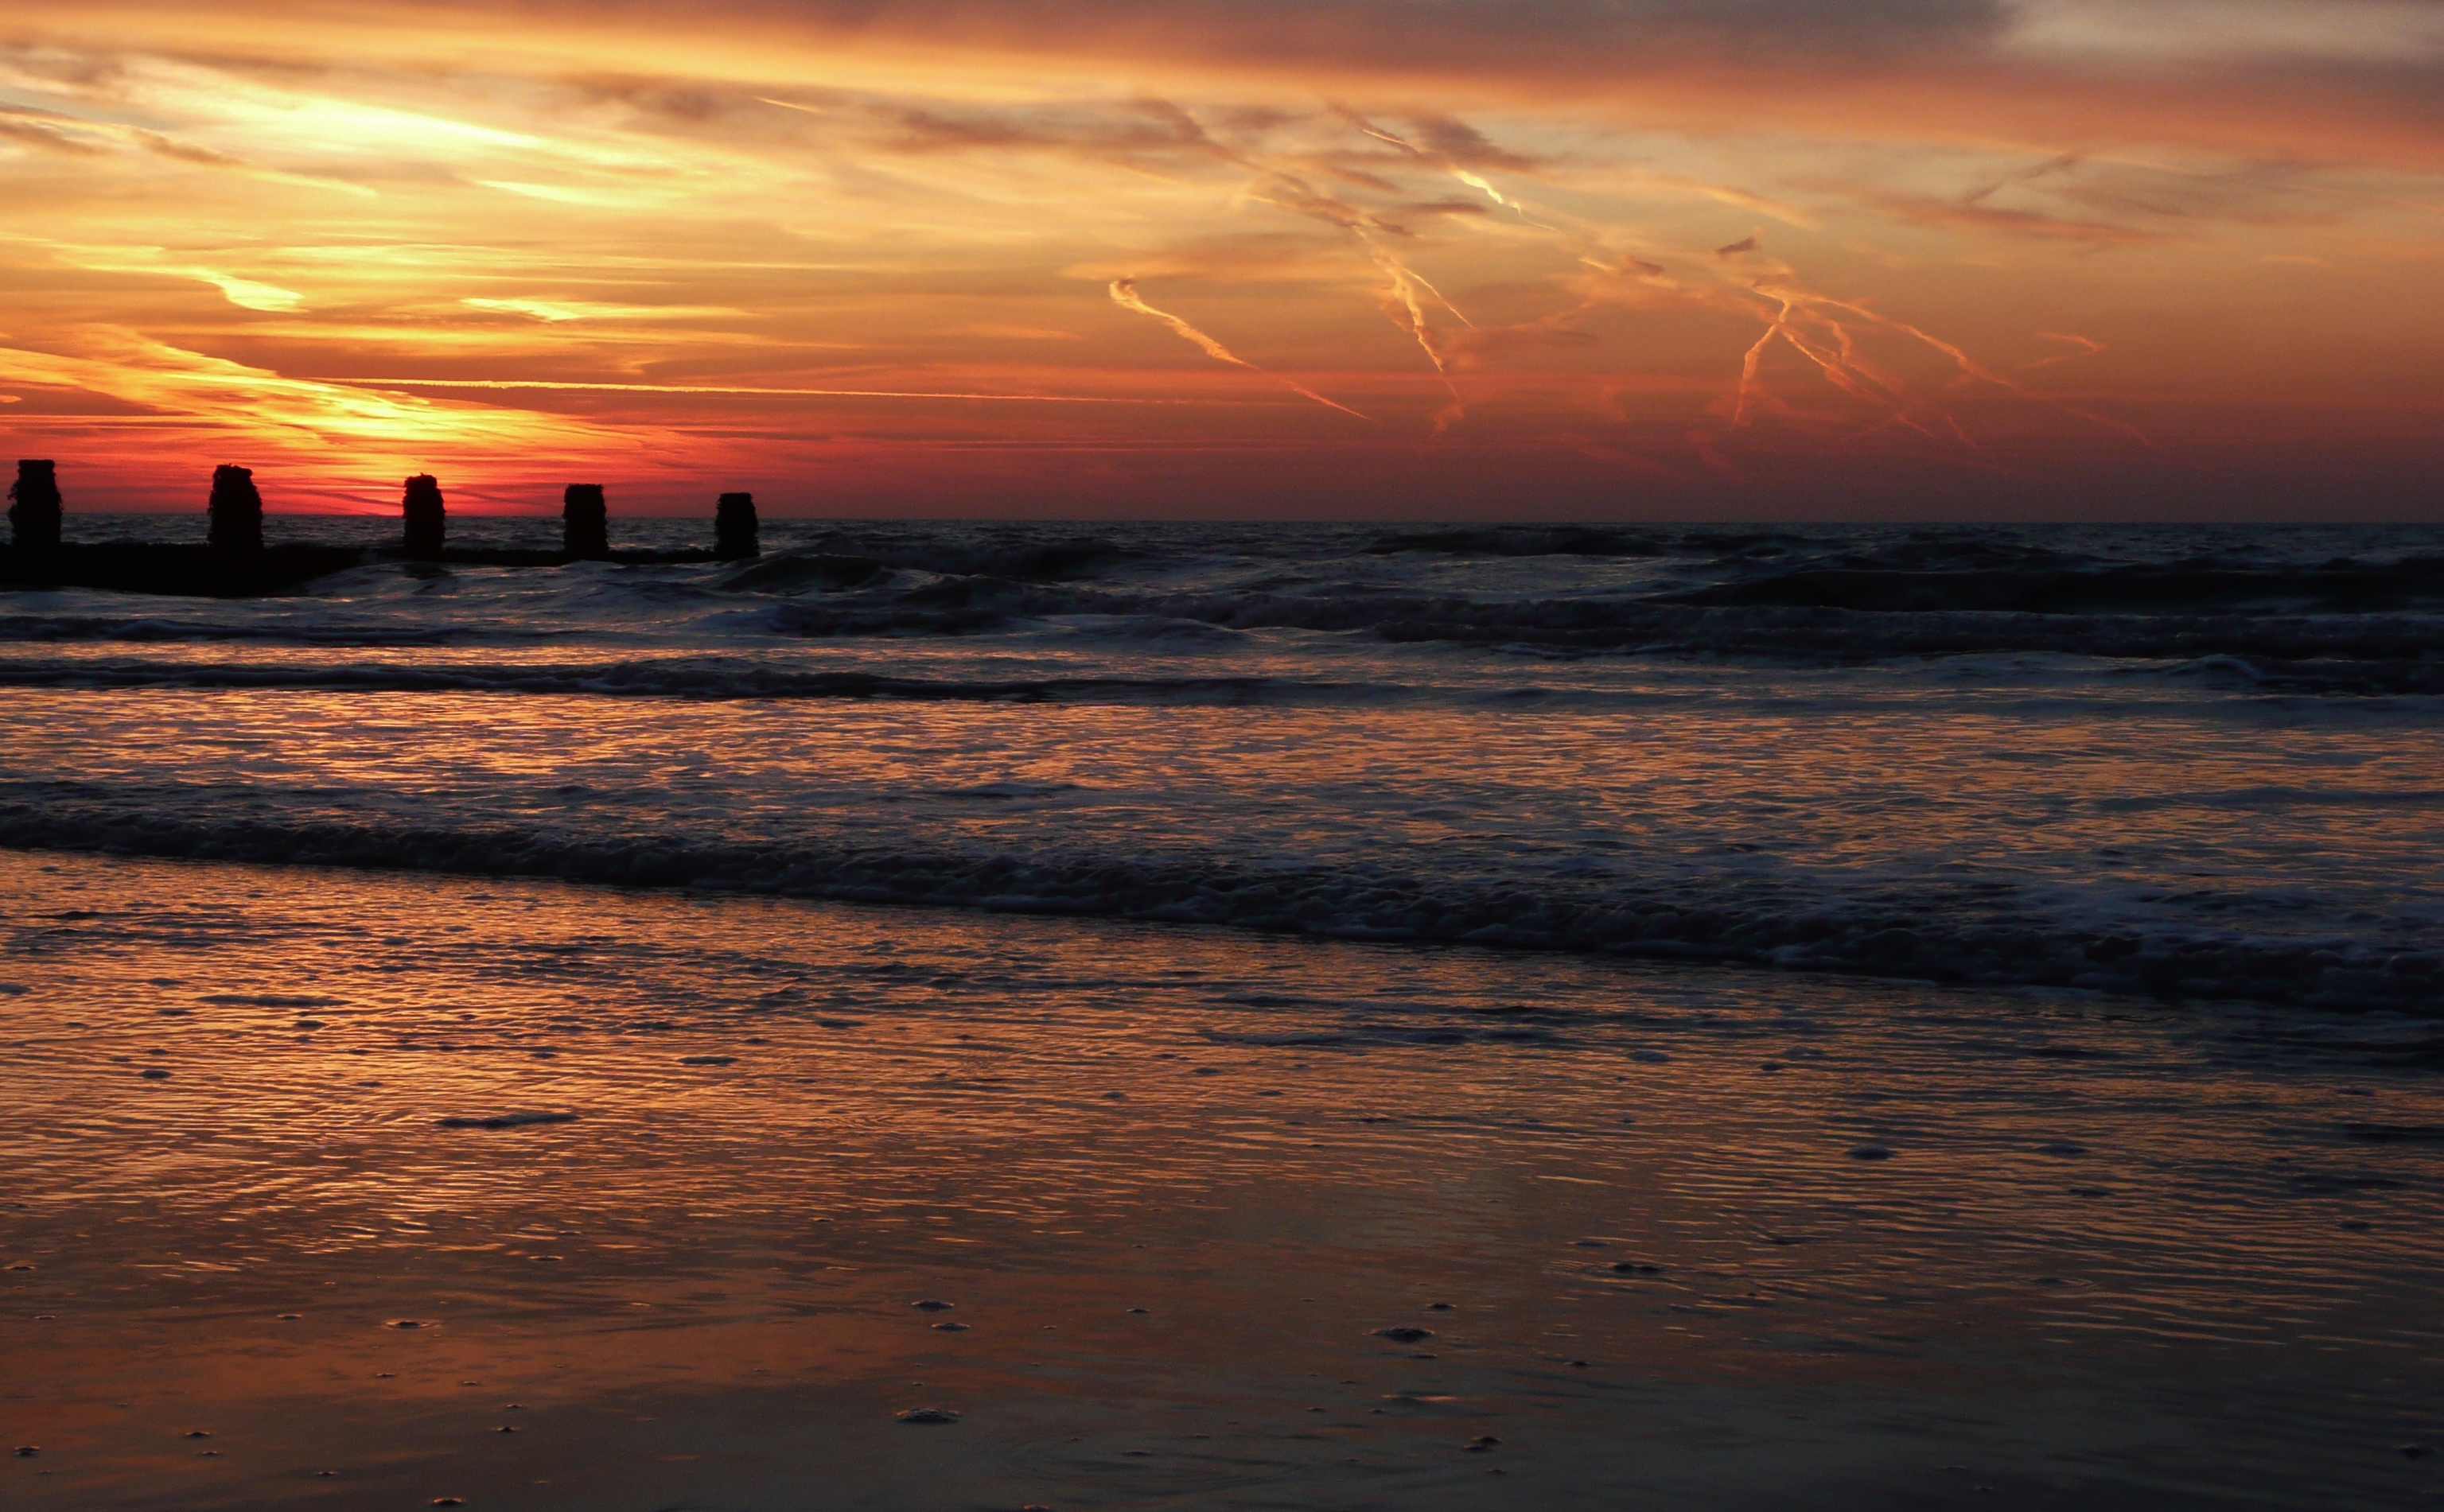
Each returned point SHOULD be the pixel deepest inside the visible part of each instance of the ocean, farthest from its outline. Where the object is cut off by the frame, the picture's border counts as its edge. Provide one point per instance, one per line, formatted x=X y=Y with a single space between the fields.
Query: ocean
x=1670 y=1014
x=2170 y=761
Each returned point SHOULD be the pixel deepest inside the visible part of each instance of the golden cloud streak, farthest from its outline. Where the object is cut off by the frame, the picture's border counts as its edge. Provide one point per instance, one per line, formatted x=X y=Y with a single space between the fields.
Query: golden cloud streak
x=555 y=386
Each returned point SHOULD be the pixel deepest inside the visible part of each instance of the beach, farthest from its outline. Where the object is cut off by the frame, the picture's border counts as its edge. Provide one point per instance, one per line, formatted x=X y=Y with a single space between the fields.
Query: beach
x=1672 y=1236
x=609 y=1037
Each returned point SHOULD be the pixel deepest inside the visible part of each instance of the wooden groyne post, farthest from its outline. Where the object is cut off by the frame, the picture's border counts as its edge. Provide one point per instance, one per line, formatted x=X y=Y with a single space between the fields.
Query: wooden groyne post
x=236 y=510
x=733 y=528
x=34 y=507
x=422 y=513
x=584 y=521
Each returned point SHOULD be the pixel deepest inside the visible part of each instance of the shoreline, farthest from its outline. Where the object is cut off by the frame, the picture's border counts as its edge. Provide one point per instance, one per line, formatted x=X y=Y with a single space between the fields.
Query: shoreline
x=1800 y=942
x=2147 y=1266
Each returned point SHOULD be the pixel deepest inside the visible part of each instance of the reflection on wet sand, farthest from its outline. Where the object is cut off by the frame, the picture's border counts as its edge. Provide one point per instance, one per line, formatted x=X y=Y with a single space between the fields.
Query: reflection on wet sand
x=1220 y=1220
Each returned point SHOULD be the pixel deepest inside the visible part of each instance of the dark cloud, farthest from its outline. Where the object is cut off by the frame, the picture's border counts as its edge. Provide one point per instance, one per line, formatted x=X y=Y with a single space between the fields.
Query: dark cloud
x=1143 y=128
x=660 y=99
x=2262 y=193
x=81 y=70
x=1356 y=177
x=1291 y=192
x=1391 y=31
x=1978 y=217
x=1627 y=267
x=153 y=141
x=1465 y=145
x=2074 y=199
x=34 y=134
x=1142 y=133
x=1964 y=70
x=40 y=129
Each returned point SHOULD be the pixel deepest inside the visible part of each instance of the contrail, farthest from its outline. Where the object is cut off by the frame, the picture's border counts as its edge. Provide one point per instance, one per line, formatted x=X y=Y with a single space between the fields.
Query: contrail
x=1833 y=336
x=832 y=393
x=2087 y=348
x=1826 y=332
x=1798 y=305
x=1481 y=186
x=1471 y=180
x=1855 y=376
x=1400 y=301
x=1124 y=293
x=1402 y=296
x=1842 y=364
x=1750 y=390
x=1970 y=368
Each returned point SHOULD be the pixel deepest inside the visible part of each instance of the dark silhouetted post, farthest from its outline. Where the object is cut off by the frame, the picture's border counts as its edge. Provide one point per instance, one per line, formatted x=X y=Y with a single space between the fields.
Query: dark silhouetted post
x=422 y=509
x=584 y=521
x=733 y=528
x=236 y=510
x=34 y=507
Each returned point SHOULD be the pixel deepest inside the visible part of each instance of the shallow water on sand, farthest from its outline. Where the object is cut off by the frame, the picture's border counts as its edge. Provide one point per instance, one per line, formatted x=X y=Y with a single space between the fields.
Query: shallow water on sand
x=1706 y=1237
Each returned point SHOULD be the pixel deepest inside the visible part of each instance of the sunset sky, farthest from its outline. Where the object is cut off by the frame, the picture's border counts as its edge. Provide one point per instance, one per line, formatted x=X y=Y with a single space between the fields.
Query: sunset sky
x=1325 y=259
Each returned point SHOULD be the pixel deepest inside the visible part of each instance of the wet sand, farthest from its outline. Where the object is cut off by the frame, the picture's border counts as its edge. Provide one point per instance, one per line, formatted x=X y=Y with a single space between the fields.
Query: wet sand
x=1670 y=1238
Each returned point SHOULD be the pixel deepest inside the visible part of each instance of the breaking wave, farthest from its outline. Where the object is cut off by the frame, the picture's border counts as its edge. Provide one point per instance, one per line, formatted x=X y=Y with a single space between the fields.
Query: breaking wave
x=687 y=678
x=1977 y=933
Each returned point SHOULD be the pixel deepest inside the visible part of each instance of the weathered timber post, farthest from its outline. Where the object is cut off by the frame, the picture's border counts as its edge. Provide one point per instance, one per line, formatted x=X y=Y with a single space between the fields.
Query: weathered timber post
x=733 y=528
x=423 y=515
x=34 y=507
x=584 y=521
x=236 y=510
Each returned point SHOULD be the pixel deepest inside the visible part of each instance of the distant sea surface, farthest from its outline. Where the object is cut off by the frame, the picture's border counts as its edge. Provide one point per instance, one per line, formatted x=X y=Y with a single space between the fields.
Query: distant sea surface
x=2174 y=762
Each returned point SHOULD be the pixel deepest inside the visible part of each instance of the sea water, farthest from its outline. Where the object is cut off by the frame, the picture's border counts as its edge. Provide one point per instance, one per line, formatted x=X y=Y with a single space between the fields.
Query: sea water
x=2166 y=762
x=1873 y=1012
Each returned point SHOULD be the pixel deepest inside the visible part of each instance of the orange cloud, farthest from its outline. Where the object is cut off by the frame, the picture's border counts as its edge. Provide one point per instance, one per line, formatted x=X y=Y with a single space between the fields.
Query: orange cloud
x=880 y=245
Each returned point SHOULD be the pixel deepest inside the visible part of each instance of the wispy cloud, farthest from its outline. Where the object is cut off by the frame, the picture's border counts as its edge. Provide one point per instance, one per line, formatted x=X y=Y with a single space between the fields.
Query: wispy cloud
x=1687 y=240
